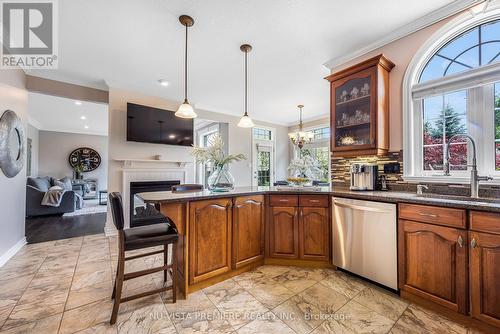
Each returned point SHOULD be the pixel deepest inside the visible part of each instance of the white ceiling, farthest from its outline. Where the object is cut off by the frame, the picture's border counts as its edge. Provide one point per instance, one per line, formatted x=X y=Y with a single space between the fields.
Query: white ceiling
x=52 y=113
x=131 y=44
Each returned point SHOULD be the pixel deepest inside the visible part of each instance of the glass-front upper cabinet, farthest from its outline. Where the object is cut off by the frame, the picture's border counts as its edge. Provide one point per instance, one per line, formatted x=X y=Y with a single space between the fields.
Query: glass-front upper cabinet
x=359 y=108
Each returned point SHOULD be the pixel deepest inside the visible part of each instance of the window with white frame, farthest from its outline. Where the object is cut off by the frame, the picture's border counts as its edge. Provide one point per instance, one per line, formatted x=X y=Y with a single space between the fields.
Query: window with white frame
x=263 y=165
x=454 y=89
x=319 y=149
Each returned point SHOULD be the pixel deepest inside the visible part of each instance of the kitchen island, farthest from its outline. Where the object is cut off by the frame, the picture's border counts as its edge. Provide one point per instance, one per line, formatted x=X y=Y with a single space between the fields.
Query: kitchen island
x=225 y=234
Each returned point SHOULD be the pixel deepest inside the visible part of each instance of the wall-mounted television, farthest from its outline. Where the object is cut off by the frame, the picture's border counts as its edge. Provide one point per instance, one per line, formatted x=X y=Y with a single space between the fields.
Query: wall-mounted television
x=152 y=125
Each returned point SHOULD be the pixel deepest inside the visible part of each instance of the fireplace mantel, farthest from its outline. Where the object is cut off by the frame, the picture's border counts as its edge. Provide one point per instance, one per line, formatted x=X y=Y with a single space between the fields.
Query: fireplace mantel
x=131 y=162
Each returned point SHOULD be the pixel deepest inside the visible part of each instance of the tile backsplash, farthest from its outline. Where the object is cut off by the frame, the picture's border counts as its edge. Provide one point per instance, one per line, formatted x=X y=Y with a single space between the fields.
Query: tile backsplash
x=341 y=177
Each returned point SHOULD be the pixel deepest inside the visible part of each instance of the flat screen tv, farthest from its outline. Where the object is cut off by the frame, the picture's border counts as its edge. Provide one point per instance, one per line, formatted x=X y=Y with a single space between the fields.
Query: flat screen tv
x=152 y=125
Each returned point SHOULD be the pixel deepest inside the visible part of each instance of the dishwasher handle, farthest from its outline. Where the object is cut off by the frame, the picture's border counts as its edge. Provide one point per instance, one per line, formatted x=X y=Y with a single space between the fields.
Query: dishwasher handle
x=359 y=207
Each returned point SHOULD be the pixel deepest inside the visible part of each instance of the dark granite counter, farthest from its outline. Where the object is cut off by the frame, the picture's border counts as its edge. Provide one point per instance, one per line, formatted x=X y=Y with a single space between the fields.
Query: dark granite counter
x=380 y=196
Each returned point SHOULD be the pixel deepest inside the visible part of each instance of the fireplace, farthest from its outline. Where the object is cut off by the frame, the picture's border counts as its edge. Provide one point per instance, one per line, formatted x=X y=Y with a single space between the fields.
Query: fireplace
x=142 y=213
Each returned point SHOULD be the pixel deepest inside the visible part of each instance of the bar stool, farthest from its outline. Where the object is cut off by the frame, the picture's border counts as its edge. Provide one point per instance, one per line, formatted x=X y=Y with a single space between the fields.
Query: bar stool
x=138 y=238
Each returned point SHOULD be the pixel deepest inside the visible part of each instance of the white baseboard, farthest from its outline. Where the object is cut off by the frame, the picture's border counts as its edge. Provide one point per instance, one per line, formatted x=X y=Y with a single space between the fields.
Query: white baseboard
x=12 y=251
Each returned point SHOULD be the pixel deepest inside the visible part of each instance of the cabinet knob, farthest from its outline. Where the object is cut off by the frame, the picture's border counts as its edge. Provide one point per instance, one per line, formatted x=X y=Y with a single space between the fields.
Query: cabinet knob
x=473 y=243
x=460 y=241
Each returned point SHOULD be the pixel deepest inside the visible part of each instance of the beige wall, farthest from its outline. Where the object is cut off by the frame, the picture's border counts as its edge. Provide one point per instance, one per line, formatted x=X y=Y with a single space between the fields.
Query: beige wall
x=34 y=134
x=400 y=52
x=13 y=96
x=55 y=162
x=239 y=140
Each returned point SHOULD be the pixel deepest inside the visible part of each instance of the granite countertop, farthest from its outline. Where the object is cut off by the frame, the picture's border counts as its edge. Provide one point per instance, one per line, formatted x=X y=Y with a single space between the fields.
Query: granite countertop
x=380 y=196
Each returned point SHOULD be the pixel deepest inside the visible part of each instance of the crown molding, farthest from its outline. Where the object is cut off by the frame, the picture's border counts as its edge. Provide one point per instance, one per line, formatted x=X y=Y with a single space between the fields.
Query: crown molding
x=420 y=23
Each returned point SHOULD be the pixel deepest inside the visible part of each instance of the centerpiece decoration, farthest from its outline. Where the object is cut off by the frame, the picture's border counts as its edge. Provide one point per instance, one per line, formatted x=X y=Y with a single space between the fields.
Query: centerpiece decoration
x=303 y=170
x=220 y=178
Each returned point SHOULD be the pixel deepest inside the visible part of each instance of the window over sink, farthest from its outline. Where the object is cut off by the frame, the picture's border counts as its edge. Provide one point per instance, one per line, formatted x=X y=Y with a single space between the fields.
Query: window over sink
x=452 y=87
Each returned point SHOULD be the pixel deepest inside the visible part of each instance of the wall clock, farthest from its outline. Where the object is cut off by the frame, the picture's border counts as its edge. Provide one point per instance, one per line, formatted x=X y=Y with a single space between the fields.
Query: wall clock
x=89 y=157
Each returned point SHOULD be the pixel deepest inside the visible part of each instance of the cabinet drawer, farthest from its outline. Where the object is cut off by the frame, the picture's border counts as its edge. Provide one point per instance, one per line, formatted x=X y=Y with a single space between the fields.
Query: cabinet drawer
x=314 y=200
x=485 y=221
x=433 y=214
x=284 y=200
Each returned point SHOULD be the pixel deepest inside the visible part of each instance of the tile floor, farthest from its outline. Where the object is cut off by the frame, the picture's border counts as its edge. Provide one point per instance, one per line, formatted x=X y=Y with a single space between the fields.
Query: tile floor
x=65 y=286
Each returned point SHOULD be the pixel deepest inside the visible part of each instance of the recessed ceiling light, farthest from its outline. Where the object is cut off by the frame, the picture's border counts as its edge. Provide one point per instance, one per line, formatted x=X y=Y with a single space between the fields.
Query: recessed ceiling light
x=86 y=126
x=164 y=83
x=171 y=136
x=83 y=117
x=78 y=103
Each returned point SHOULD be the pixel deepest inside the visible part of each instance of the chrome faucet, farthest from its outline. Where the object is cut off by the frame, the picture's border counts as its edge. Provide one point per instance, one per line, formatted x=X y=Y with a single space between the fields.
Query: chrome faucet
x=474 y=178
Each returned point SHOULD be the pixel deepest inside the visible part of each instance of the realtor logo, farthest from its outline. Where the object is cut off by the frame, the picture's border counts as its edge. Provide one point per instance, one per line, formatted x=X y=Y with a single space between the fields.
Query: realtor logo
x=29 y=34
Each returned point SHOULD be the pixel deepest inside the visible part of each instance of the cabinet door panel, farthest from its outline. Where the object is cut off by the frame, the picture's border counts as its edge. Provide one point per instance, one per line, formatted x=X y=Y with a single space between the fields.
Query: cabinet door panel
x=248 y=230
x=314 y=233
x=209 y=239
x=485 y=277
x=433 y=263
x=284 y=232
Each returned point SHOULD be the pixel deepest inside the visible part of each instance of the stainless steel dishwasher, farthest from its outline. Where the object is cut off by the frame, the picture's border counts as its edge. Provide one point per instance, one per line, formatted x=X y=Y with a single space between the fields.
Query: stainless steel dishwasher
x=364 y=239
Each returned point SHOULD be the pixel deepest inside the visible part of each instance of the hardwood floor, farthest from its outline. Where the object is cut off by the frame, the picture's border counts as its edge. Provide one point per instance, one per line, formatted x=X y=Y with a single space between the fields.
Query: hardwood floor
x=48 y=228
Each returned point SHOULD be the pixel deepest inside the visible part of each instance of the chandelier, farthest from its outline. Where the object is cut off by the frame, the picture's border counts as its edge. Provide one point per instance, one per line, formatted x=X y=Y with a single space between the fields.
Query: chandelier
x=301 y=137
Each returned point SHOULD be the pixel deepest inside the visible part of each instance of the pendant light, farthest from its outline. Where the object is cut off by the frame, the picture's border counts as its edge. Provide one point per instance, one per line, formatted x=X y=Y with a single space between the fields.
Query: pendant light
x=301 y=137
x=185 y=109
x=246 y=121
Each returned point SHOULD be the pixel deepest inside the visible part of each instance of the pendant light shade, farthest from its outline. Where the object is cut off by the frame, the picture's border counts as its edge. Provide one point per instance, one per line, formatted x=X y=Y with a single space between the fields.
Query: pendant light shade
x=246 y=121
x=185 y=109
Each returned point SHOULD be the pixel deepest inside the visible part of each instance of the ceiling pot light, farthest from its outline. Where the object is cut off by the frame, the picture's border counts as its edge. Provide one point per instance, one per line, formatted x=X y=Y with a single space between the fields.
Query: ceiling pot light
x=78 y=103
x=185 y=109
x=83 y=117
x=164 y=83
x=86 y=126
x=246 y=121
x=301 y=137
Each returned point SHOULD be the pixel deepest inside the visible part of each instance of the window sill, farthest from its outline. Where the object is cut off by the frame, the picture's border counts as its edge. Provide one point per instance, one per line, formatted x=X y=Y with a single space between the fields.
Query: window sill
x=447 y=179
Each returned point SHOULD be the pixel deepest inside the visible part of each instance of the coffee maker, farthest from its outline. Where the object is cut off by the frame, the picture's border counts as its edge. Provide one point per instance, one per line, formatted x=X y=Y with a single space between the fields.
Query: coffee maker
x=363 y=176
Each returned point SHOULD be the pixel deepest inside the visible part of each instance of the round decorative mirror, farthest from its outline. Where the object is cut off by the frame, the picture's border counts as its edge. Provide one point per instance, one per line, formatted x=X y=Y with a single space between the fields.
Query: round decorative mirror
x=12 y=144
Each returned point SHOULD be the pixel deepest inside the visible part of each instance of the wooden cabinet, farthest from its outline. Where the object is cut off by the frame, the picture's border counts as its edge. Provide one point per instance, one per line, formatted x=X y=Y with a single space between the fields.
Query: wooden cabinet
x=433 y=263
x=484 y=267
x=359 y=108
x=248 y=230
x=210 y=225
x=314 y=233
x=299 y=228
x=284 y=232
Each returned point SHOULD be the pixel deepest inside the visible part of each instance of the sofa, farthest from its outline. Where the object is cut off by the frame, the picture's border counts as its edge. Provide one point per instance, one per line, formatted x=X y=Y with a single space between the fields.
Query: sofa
x=36 y=187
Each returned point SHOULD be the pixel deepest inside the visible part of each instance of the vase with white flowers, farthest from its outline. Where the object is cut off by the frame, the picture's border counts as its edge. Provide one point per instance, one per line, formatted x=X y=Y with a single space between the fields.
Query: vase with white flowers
x=303 y=169
x=220 y=178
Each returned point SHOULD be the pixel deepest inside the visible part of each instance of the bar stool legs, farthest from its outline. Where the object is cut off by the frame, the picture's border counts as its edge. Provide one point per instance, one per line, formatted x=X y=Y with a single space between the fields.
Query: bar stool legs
x=121 y=277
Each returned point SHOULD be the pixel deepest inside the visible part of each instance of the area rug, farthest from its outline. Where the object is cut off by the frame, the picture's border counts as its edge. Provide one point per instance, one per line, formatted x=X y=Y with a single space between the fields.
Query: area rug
x=90 y=206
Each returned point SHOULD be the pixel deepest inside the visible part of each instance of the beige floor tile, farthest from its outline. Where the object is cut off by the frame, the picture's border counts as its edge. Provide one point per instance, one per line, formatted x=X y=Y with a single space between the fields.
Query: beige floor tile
x=325 y=299
x=207 y=321
x=355 y=318
x=196 y=301
x=273 y=270
x=38 y=303
x=235 y=303
x=102 y=328
x=49 y=325
x=86 y=316
x=91 y=273
x=250 y=279
x=418 y=320
x=382 y=302
x=297 y=280
x=151 y=318
x=299 y=314
x=271 y=294
x=89 y=294
x=6 y=306
x=345 y=284
x=14 y=288
x=268 y=323
x=46 y=278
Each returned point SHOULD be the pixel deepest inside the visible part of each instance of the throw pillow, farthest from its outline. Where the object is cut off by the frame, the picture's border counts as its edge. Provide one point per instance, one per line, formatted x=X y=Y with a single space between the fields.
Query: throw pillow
x=64 y=183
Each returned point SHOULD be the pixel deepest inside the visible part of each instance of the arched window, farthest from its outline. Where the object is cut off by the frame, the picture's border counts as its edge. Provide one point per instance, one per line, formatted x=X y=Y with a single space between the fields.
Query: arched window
x=452 y=87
